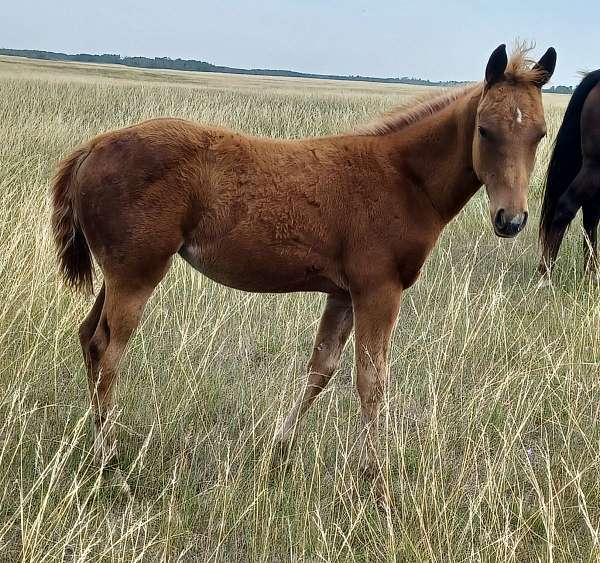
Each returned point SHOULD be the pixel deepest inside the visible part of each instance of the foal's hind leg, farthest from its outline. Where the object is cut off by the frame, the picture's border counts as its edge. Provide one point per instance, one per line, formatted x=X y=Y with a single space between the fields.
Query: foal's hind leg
x=334 y=329
x=591 y=217
x=122 y=310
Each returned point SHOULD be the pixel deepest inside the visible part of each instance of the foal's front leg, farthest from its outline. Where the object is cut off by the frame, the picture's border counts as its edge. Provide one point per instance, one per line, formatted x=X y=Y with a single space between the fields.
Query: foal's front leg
x=375 y=314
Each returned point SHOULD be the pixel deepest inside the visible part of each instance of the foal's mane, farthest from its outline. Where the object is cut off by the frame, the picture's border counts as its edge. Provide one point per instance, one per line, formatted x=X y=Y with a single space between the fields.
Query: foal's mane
x=520 y=70
x=413 y=110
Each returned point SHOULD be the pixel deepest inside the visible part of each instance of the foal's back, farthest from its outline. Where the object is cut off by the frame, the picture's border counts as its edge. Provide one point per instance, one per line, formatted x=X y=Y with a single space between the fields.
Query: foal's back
x=255 y=214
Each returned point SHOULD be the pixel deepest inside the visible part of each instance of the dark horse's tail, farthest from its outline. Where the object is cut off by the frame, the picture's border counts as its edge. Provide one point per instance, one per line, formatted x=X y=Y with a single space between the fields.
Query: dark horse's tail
x=566 y=159
x=74 y=257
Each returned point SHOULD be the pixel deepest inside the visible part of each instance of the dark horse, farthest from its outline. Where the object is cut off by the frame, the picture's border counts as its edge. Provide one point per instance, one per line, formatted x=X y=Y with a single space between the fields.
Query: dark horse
x=354 y=216
x=573 y=179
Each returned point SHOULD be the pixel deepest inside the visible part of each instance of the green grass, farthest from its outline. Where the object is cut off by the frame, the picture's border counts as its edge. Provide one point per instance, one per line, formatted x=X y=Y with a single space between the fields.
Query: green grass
x=492 y=433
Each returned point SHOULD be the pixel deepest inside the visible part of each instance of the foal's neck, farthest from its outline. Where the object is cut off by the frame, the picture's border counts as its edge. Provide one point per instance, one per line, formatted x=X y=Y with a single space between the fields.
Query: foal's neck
x=437 y=153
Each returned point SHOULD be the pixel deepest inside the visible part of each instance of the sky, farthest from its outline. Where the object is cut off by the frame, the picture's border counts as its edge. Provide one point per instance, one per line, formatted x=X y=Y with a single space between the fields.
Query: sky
x=434 y=39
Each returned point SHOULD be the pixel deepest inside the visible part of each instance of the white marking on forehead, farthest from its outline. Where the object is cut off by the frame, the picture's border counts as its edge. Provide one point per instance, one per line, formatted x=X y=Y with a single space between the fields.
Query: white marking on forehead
x=519 y=116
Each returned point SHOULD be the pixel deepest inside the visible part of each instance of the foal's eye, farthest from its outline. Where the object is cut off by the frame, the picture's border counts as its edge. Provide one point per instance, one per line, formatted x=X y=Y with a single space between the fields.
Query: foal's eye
x=483 y=132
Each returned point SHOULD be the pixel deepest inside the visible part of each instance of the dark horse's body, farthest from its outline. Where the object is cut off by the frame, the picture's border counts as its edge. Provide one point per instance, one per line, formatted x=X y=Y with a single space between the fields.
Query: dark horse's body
x=573 y=180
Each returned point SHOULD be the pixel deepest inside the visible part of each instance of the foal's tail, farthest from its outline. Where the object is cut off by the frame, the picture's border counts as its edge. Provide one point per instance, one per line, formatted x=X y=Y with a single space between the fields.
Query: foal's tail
x=566 y=159
x=74 y=257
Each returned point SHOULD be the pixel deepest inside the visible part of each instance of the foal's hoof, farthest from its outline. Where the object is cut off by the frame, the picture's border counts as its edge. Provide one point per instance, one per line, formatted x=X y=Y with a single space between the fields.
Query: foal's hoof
x=117 y=481
x=281 y=455
x=377 y=485
x=107 y=463
x=544 y=283
x=368 y=471
x=369 y=468
x=383 y=493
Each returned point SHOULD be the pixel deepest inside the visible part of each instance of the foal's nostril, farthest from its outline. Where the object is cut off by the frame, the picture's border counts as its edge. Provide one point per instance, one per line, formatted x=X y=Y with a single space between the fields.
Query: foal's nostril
x=499 y=220
x=509 y=226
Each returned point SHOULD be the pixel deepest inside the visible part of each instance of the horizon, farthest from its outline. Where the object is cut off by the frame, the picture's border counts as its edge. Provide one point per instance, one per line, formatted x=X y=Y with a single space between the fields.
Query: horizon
x=216 y=64
x=393 y=39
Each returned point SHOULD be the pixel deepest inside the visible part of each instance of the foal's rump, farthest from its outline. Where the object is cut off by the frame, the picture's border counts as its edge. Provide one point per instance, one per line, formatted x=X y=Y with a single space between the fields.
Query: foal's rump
x=129 y=200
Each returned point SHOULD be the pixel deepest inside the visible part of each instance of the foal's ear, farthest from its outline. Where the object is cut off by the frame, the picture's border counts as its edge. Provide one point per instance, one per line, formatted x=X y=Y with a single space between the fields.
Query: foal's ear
x=494 y=72
x=546 y=66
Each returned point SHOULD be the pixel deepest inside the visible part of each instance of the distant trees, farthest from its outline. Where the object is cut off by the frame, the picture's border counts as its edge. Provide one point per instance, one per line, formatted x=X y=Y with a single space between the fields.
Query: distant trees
x=106 y=58
x=559 y=90
x=202 y=66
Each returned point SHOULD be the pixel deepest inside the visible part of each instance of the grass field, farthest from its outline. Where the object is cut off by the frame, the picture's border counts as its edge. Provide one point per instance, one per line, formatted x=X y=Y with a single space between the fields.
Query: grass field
x=492 y=419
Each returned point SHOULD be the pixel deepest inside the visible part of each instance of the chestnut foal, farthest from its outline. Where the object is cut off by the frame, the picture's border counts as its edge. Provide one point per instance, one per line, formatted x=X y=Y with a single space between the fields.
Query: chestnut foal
x=354 y=216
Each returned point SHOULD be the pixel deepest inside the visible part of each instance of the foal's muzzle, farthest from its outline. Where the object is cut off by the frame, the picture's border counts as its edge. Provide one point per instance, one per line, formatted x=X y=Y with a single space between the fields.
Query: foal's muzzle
x=508 y=226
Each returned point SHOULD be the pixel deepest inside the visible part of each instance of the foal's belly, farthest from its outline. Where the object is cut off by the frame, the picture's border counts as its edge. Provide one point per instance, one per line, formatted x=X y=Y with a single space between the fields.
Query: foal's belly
x=264 y=269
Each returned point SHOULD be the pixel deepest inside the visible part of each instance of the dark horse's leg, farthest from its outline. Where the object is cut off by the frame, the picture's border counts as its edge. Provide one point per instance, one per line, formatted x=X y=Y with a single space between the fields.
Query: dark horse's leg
x=334 y=329
x=576 y=196
x=591 y=217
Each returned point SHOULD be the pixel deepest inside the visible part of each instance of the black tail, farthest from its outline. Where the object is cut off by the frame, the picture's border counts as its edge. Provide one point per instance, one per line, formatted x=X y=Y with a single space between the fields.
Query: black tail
x=566 y=159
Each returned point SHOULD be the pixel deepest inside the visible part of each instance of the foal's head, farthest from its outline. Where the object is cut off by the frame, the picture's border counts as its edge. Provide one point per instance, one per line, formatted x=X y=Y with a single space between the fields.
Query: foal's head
x=510 y=124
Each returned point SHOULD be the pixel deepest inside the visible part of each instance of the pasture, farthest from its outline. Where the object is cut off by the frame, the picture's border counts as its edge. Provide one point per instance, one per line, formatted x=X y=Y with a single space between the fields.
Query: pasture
x=492 y=449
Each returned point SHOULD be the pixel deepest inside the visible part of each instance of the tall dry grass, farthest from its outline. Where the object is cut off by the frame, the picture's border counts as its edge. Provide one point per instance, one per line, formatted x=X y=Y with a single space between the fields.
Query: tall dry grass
x=491 y=419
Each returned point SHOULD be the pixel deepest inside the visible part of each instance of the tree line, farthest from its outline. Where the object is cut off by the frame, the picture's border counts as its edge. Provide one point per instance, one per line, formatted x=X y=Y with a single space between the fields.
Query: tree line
x=202 y=66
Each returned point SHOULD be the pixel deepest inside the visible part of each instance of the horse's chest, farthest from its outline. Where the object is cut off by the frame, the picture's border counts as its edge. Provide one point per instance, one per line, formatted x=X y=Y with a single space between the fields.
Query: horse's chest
x=411 y=256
